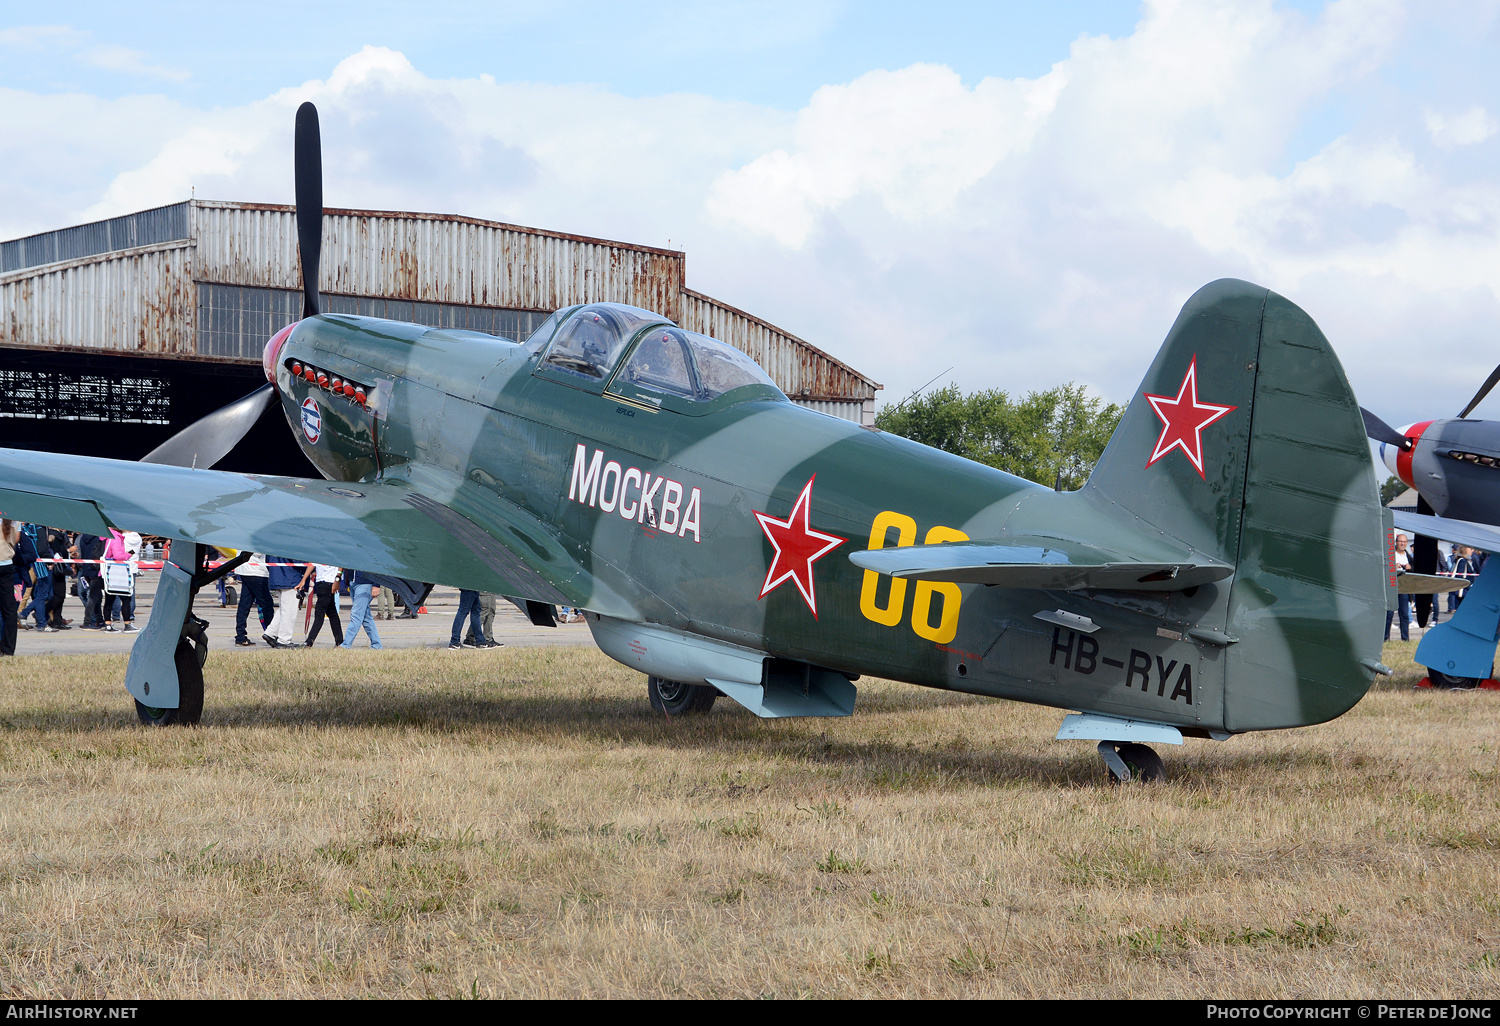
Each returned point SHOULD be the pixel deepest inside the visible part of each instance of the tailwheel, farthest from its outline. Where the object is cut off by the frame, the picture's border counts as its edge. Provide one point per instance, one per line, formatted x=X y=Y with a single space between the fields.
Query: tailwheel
x=1130 y=761
x=677 y=699
x=189 y=692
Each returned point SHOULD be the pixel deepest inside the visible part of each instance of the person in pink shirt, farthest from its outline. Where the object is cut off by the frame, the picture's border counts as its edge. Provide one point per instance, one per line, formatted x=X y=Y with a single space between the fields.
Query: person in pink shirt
x=116 y=551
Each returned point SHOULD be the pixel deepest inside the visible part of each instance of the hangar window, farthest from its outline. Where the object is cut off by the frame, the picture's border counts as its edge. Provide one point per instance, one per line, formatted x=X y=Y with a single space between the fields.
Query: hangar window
x=235 y=320
x=47 y=395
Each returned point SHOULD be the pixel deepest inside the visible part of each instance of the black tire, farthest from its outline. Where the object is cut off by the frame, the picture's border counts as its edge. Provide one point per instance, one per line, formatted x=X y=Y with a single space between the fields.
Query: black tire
x=1442 y=680
x=1144 y=764
x=231 y=597
x=676 y=699
x=189 y=692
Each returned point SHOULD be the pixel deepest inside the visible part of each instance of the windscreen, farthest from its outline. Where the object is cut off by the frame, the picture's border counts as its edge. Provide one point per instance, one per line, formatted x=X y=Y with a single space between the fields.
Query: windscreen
x=542 y=335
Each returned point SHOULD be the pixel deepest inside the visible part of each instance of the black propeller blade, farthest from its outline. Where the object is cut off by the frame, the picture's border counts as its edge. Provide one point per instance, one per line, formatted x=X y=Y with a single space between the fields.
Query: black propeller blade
x=208 y=440
x=1383 y=432
x=1484 y=390
x=309 y=177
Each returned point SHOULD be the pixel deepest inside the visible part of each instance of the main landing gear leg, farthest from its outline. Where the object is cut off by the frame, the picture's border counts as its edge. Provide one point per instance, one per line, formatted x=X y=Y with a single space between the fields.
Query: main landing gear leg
x=1130 y=761
x=165 y=675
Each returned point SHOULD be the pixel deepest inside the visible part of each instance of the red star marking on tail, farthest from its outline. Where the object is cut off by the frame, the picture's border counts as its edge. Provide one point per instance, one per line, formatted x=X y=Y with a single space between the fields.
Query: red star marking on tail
x=797 y=547
x=1183 y=419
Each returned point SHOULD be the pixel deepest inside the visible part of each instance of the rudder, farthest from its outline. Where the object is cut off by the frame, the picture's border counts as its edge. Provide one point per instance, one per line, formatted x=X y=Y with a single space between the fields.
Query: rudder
x=1308 y=599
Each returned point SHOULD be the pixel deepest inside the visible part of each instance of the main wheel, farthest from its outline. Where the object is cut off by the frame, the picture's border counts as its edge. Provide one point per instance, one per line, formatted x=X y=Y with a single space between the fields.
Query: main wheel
x=677 y=699
x=1443 y=680
x=189 y=692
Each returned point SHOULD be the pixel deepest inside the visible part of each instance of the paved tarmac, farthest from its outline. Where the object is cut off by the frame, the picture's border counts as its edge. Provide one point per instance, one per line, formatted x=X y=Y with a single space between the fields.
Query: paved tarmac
x=430 y=630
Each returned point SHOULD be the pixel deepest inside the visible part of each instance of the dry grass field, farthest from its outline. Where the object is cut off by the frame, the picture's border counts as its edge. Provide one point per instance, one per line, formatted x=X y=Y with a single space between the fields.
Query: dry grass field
x=517 y=823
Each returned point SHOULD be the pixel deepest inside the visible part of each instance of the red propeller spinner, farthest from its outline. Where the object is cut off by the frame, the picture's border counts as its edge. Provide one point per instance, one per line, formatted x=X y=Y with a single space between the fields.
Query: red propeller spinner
x=272 y=352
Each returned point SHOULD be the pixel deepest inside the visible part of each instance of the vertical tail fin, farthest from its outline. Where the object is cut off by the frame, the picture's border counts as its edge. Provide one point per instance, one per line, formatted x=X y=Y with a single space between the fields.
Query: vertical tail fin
x=1177 y=461
x=1245 y=441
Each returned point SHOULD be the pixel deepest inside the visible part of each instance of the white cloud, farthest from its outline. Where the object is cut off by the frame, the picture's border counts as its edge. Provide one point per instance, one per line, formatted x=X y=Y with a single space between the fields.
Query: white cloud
x=915 y=138
x=130 y=62
x=575 y=158
x=37 y=38
x=1472 y=126
x=1028 y=231
x=64 y=39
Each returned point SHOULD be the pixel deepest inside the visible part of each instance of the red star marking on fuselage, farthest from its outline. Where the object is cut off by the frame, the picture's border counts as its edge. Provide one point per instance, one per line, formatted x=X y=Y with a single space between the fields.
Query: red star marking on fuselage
x=797 y=547
x=1183 y=419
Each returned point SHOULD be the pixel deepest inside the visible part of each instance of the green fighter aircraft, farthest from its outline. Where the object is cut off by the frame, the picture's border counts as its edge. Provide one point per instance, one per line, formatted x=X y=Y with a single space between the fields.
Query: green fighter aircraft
x=1222 y=571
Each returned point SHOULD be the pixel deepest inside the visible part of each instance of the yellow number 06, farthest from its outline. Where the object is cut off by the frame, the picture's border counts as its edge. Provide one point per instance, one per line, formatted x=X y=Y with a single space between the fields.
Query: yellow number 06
x=890 y=614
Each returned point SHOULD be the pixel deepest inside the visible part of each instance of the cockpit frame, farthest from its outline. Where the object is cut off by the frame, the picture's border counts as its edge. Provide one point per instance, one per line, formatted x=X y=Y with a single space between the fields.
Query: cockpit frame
x=602 y=348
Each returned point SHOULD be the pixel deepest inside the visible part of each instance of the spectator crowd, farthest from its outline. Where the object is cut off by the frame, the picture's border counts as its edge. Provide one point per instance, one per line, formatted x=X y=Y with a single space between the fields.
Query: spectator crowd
x=41 y=567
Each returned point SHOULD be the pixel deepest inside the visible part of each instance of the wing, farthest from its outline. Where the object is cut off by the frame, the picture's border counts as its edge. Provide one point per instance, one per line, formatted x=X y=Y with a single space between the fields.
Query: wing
x=1038 y=563
x=1465 y=532
x=392 y=528
x=1429 y=584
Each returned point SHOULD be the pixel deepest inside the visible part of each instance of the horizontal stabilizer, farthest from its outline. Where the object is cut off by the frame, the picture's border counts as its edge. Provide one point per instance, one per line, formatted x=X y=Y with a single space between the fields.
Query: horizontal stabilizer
x=1429 y=584
x=1051 y=565
x=1464 y=532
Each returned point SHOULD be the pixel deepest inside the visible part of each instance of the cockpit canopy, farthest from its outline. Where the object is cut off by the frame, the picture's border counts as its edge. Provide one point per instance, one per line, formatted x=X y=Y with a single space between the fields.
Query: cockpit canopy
x=590 y=341
x=587 y=343
x=690 y=365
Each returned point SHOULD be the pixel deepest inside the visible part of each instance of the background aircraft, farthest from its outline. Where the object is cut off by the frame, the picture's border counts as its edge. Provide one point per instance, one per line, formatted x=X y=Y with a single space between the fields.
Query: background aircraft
x=1222 y=570
x=1454 y=465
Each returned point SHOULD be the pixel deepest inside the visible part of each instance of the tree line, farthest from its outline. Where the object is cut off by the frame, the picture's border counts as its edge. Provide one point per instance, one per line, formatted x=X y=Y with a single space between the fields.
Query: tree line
x=1053 y=437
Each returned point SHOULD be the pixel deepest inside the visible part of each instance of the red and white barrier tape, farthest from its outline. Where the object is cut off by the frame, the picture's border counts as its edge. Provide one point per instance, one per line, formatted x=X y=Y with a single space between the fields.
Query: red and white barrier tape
x=154 y=564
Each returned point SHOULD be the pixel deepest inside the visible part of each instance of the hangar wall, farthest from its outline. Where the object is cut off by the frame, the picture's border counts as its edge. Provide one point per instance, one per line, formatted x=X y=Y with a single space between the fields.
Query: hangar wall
x=116 y=334
x=213 y=280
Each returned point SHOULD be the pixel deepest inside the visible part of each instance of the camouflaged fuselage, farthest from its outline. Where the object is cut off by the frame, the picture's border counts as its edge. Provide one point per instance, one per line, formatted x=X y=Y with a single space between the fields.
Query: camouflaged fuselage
x=733 y=519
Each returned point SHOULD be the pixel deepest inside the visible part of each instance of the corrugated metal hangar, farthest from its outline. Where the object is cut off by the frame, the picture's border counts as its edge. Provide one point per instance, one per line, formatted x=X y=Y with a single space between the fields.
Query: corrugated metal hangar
x=114 y=335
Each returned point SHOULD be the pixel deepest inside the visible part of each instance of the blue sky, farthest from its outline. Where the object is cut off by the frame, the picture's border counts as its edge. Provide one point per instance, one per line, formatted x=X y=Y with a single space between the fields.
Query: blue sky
x=1025 y=191
x=771 y=52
